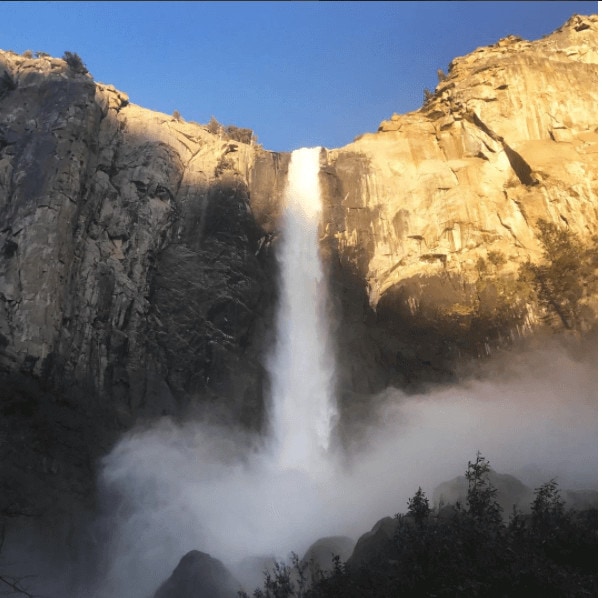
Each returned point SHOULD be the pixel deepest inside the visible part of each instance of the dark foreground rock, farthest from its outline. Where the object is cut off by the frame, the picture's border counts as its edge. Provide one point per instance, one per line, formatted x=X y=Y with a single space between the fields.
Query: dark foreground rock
x=321 y=553
x=199 y=575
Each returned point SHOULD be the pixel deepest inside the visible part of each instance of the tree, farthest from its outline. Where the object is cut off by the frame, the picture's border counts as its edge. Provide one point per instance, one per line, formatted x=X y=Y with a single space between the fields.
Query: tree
x=214 y=127
x=563 y=281
x=418 y=507
x=480 y=497
x=75 y=63
x=547 y=509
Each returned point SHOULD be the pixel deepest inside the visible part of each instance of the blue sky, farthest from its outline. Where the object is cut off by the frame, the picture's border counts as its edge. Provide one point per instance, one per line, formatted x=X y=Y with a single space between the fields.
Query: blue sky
x=297 y=73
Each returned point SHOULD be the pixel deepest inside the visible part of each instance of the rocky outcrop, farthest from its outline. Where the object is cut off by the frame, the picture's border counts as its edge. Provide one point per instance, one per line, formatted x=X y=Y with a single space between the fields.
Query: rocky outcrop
x=376 y=545
x=319 y=556
x=121 y=224
x=199 y=575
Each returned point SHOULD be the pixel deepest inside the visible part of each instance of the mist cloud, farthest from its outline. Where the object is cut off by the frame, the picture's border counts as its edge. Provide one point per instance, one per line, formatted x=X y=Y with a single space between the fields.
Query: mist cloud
x=172 y=488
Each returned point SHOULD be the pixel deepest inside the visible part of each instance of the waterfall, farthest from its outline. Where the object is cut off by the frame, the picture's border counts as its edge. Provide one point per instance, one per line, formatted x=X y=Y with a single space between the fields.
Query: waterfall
x=302 y=366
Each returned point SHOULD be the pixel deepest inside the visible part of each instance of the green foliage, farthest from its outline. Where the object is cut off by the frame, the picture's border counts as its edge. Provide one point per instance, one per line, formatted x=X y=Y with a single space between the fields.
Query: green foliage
x=480 y=498
x=418 y=507
x=231 y=132
x=548 y=552
x=568 y=275
x=75 y=63
x=563 y=284
x=500 y=297
x=284 y=581
x=547 y=505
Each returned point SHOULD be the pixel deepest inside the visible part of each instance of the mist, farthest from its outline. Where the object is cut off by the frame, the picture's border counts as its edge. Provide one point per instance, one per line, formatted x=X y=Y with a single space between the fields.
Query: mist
x=171 y=488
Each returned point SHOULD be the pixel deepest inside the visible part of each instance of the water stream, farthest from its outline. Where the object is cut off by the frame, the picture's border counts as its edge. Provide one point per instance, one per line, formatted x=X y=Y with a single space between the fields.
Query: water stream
x=302 y=366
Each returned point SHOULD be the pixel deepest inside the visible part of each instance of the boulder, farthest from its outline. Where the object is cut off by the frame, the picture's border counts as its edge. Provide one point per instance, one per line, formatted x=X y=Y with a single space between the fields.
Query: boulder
x=375 y=545
x=199 y=575
x=321 y=553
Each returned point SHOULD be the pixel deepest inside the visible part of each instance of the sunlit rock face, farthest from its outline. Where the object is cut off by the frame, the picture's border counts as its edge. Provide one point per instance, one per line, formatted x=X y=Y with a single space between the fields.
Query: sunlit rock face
x=437 y=211
x=509 y=136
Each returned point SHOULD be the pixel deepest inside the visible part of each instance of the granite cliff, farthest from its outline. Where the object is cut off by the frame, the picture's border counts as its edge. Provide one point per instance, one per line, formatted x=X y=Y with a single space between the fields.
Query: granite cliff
x=437 y=213
x=137 y=275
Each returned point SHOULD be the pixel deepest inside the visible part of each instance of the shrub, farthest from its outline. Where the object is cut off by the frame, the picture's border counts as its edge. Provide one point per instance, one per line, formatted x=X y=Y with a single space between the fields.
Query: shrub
x=75 y=63
x=547 y=505
x=214 y=127
x=231 y=132
x=240 y=134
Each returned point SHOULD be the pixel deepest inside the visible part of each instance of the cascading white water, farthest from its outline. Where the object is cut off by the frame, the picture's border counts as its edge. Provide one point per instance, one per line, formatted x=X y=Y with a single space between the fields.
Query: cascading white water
x=302 y=366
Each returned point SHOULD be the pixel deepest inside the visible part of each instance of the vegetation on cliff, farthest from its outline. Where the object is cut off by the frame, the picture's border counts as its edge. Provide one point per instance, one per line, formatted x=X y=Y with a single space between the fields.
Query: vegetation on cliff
x=568 y=276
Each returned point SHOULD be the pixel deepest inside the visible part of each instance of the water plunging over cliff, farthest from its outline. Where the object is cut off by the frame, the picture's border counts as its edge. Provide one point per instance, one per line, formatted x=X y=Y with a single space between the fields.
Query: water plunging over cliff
x=302 y=367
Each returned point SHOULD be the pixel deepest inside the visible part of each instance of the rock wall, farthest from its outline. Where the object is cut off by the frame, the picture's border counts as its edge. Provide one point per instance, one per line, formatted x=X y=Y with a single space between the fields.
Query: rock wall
x=131 y=261
x=437 y=211
x=135 y=280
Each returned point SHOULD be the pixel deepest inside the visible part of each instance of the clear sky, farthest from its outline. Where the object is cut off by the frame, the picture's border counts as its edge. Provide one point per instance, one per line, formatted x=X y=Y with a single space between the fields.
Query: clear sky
x=297 y=73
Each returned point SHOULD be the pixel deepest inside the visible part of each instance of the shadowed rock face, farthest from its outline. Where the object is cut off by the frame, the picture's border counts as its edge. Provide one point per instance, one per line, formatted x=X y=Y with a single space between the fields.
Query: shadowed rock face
x=511 y=492
x=137 y=270
x=132 y=267
x=135 y=279
x=321 y=553
x=377 y=544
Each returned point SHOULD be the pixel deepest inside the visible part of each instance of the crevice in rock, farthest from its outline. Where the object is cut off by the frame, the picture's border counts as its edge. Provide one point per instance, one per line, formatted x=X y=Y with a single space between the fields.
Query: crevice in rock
x=475 y=120
x=518 y=164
